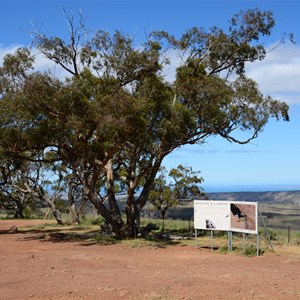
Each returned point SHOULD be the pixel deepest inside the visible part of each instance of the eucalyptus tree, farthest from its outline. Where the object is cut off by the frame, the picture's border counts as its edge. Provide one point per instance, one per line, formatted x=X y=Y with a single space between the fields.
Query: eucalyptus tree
x=114 y=118
x=181 y=184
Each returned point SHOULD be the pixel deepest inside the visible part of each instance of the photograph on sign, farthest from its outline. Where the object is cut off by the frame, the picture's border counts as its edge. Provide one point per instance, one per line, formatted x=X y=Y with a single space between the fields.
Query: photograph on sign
x=243 y=217
x=211 y=215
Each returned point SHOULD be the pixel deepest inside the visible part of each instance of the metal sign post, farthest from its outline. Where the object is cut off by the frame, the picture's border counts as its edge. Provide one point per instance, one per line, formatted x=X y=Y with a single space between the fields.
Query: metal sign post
x=257 y=244
x=229 y=234
x=230 y=216
x=244 y=238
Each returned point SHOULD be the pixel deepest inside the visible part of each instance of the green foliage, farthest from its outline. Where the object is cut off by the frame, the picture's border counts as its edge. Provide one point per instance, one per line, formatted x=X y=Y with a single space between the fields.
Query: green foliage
x=220 y=233
x=171 y=226
x=90 y=220
x=252 y=251
x=105 y=240
x=27 y=212
x=223 y=250
x=272 y=234
x=185 y=185
x=114 y=118
x=61 y=205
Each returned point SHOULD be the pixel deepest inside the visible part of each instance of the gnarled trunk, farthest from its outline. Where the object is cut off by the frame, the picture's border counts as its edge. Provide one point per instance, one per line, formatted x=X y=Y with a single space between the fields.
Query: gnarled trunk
x=19 y=210
x=55 y=211
x=111 y=212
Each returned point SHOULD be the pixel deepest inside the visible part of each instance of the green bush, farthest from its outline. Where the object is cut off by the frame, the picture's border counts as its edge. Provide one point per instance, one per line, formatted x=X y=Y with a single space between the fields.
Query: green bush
x=105 y=240
x=223 y=250
x=96 y=221
x=252 y=251
x=272 y=234
x=220 y=233
x=27 y=212
x=61 y=205
x=90 y=220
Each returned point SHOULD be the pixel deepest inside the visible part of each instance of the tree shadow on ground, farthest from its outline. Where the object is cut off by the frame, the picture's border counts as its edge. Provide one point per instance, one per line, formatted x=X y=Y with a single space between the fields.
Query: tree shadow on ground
x=87 y=236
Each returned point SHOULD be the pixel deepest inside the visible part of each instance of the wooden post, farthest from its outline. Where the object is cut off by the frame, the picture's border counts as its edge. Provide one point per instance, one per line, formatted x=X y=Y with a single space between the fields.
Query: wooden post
x=289 y=235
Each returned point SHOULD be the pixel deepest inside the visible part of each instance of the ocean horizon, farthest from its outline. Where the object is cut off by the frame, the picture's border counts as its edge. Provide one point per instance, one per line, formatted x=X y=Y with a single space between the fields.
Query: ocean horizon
x=250 y=188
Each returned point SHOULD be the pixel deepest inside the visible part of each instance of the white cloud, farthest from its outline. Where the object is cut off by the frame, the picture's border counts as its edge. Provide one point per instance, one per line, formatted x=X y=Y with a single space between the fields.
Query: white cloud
x=278 y=75
x=169 y=70
x=43 y=64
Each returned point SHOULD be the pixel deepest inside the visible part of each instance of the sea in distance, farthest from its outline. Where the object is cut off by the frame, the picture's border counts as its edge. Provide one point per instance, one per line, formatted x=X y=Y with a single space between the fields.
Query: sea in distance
x=249 y=188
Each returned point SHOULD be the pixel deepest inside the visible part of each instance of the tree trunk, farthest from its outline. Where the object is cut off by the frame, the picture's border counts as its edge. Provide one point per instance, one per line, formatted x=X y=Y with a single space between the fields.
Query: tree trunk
x=112 y=218
x=19 y=211
x=74 y=214
x=72 y=206
x=55 y=212
x=20 y=201
x=58 y=217
x=132 y=212
x=112 y=213
x=133 y=221
x=163 y=215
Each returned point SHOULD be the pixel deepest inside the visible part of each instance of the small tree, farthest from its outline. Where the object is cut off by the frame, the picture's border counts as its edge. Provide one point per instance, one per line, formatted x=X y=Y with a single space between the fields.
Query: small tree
x=184 y=186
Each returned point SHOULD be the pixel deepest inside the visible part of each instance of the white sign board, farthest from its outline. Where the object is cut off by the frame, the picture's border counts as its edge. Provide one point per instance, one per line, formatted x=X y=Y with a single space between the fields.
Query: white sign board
x=226 y=216
x=212 y=215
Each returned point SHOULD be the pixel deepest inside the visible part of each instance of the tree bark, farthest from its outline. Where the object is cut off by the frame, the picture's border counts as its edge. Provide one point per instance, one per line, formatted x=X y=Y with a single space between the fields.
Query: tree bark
x=55 y=212
x=19 y=210
x=72 y=205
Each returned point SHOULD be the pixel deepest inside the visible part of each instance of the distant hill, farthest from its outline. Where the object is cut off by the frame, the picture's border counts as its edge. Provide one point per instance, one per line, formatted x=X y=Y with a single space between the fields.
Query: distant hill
x=288 y=197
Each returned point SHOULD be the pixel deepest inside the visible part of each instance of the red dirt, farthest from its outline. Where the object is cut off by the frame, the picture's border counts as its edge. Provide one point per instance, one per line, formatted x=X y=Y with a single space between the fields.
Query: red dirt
x=32 y=267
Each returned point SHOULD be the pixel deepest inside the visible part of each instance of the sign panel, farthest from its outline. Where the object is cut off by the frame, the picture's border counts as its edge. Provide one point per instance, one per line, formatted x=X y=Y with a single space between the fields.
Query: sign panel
x=243 y=217
x=212 y=215
x=226 y=216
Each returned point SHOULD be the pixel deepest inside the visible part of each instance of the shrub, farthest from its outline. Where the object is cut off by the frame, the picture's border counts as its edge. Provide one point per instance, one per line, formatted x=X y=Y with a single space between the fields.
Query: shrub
x=27 y=212
x=252 y=251
x=272 y=234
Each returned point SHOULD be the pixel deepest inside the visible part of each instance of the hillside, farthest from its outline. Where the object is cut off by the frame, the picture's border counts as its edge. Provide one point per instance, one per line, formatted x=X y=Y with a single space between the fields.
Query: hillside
x=288 y=197
x=280 y=209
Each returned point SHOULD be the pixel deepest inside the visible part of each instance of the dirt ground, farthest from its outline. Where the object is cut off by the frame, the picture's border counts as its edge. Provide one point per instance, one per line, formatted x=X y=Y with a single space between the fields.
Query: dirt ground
x=32 y=267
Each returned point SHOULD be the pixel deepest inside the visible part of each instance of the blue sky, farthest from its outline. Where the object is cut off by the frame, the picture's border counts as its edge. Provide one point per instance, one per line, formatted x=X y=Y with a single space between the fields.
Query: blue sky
x=271 y=159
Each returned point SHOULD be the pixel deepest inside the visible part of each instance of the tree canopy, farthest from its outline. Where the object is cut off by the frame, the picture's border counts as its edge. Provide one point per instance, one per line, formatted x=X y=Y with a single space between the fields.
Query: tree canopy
x=114 y=117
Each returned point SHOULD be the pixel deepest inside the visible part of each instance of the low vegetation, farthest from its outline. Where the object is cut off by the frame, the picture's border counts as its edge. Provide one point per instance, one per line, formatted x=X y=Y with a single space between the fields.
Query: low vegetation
x=176 y=232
